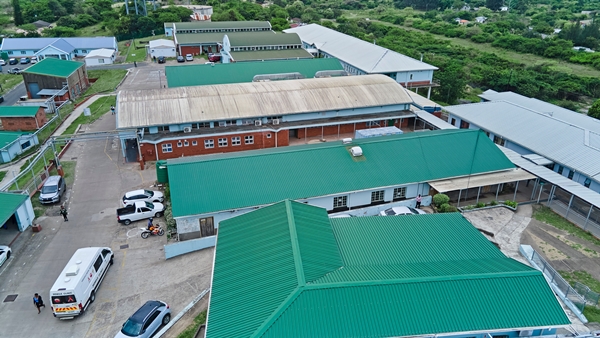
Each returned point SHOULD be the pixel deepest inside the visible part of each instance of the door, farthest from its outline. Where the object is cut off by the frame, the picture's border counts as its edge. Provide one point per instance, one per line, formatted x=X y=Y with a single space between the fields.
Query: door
x=207 y=227
x=152 y=323
x=390 y=123
x=33 y=88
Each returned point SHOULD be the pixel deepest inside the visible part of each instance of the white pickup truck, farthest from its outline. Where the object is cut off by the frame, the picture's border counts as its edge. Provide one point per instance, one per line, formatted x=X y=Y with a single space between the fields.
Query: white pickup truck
x=138 y=211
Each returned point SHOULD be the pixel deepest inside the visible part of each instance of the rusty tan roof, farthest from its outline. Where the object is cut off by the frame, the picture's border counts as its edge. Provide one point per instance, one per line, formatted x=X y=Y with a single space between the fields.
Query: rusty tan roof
x=141 y=108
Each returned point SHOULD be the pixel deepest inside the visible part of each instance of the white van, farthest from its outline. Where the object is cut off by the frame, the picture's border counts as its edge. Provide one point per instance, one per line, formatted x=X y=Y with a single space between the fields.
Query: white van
x=77 y=284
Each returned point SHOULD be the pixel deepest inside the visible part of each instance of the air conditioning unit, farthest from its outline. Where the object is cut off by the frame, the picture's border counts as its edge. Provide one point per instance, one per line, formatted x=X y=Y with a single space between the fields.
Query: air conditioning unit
x=187 y=129
x=257 y=123
x=346 y=140
x=356 y=151
x=275 y=122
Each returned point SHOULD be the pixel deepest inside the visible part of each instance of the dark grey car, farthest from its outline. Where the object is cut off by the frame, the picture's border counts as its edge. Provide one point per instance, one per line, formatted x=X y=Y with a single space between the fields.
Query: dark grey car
x=52 y=190
x=146 y=320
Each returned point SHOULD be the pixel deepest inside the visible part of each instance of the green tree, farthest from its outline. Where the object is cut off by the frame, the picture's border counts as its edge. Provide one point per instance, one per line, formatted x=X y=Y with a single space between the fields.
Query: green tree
x=493 y=4
x=279 y=24
x=59 y=31
x=17 y=14
x=595 y=110
x=452 y=82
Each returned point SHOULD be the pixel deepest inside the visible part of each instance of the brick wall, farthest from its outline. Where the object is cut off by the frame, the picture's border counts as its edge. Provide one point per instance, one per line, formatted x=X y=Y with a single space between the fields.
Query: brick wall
x=25 y=123
x=194 y=50
x=260 y=140
x=346 y=128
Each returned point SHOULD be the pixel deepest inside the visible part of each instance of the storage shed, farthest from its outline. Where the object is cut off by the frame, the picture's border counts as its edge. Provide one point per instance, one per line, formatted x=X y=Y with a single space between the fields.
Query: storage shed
x=161 y=47
x=56 y=74
x=22 y=117
x=16 y=212
x=100 y=57
x=13 y=143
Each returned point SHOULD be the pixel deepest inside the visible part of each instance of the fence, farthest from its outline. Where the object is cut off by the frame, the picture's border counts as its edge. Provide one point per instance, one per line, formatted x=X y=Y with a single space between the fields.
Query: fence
x=591 y=297
x=568 y=294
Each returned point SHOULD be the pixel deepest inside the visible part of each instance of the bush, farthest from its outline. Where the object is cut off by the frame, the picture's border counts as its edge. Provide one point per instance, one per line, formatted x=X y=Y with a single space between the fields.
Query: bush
x=451 y=208
x=480 y=205
x=511 y=204
x=469 y=207
x=439 y=199
x=444 y=207
x=492 y=203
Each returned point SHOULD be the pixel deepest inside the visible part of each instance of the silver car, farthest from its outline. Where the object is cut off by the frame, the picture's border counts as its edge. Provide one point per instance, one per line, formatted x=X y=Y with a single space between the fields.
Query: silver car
x=142 y=196
x=146 y=320
x=52 y=190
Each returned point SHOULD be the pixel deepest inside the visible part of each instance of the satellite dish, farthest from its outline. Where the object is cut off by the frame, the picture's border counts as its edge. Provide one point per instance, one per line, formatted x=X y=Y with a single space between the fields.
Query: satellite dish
x=226 y=44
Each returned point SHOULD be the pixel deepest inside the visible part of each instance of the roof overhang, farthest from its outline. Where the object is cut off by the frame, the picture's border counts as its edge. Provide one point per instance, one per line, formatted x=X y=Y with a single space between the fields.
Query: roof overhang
x=460 y=183
x=538 y=159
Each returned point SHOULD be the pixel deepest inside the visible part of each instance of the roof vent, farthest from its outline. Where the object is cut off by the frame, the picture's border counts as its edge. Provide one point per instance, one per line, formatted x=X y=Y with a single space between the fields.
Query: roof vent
x=356 y=151
x=346 y=140
x=73 y=270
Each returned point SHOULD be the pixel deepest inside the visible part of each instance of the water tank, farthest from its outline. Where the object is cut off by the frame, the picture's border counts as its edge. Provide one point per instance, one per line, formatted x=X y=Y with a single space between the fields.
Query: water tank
x=162 y=175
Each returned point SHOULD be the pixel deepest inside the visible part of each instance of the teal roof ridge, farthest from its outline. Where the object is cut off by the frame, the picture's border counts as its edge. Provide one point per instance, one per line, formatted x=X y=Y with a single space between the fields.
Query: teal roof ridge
x=311 y=147
x=295 y=244
x=266 y=325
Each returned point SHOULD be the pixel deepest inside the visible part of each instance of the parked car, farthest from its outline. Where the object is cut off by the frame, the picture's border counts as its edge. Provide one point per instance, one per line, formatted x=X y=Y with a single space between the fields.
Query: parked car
x=12 y=61
x=1 y=99
x=214 y=57
x=146 y=320
x=4 y=254
x=52 y=190
x=2 y=62
x=189 y=57
x=396 y=211
x=25 y=61
x=34 y=59
x=139 y=211
x=180 y=59
x=15 y=71
x=142 y=196
x=162 y=59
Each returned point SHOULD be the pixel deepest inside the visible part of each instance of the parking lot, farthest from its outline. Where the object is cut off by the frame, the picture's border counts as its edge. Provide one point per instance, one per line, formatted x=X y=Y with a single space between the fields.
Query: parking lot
x=140 y=272
x=151 y=75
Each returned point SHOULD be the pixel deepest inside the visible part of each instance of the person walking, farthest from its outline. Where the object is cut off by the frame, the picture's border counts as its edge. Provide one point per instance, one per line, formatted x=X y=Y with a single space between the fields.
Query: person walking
x=38 y=302
x=418 y=201
x=64 y=213
x=112 y=110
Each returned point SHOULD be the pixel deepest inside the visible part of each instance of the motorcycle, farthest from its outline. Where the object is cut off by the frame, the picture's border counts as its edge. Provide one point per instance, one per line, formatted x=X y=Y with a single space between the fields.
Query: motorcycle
x=157 y=231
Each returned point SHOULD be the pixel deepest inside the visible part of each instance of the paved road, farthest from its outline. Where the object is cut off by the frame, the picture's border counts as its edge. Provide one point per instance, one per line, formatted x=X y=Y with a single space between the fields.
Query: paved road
x=13 y=96
x=140 y=271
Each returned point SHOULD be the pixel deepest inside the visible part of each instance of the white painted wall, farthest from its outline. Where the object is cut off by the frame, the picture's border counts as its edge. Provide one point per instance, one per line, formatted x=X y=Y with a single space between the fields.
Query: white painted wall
x=417 y=76
x=98 y=61
x=25 y=215
x=166 y=52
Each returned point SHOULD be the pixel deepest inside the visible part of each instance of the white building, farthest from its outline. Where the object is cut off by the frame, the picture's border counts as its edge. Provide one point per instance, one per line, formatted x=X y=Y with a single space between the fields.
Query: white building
x=161 y=47
x=59 y=48
x=99 y=57
x=360 y=57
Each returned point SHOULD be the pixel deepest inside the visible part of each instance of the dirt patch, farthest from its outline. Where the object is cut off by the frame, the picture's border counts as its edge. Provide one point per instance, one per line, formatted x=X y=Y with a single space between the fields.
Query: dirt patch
x=548 y=250
x=188 y=318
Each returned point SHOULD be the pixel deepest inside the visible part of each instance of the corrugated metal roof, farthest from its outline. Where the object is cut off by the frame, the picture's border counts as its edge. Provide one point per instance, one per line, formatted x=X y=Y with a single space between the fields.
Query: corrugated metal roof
x=548 y=175
x=222 y=73
x=264 y=55
x=18 y=111
x=101 y=53
x=8 y=137
x=54 y=67
x=220 y=25
x=328 y=168
x=62 y=45
x=454 y=184
x=77 y=43
x=363 y=55
x=399 y=267
x=10 y=203
x=161 y=43
x=562 y=141
x=433 y=120
x=141 y=108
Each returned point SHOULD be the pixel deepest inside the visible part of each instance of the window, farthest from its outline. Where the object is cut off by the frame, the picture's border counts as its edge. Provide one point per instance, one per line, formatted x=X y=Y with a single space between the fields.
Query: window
x=151 y=319
x=209 y=144
x=411 y=76
x=340 y=202
x=100 y=60
x=26 y=145
x=98 y=263
x=222 y=142
x=560 y=169
x=464 y=125
x=204 y=125
x=249 y=139
x=194 y=143
x=10 y=52
x=571 y=173
x=186 y=143
x=498 y=140
x=399 y=193
x=167 y=148
x=236 y=141
x=179 y=144
x=377 y=196
x=23 y=52
x=104 y=253
x=68 y=299
x=373 y=124
x=587 y=183
x=268 y=135
x=84 y=51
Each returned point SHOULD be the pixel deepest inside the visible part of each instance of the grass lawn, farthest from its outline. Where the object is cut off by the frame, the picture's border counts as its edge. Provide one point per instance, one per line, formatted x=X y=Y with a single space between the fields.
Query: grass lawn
x=2 y=174
x=592 y=314
x=94 y=30
x=107 y=81
x=583 y=278
x=546 y=215
x=97 y=109
x=8 y=81
x=191 y=330
x=38 y=167
x=137 y=51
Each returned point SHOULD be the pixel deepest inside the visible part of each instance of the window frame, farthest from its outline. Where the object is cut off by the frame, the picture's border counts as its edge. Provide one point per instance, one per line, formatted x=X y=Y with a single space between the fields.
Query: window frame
x=377 y=196
x=167 y=148
x=340 y=202
x=249 y=139
x=222 y=142
x=399 y=194
x=236 y=141
x=209 y=144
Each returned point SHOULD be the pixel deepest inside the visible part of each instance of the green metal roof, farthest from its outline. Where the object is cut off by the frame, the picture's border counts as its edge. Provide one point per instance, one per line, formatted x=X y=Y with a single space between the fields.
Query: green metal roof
x=54 y=67
x=259 y=177
x=8 y=137
x=18 y=111
x=222 y=73
x=260 y=55
x=413 y=275
x=260 y=38
x=221 y=24
x=10 y=203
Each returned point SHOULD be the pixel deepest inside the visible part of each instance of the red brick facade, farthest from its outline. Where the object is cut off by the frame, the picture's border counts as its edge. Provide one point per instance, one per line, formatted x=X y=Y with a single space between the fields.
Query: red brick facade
x=346 y=128
x=194 y=50
x=25 y=123
x=179 y=148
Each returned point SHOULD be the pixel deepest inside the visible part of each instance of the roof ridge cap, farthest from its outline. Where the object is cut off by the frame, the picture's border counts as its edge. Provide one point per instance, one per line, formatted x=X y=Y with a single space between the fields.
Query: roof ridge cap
x=268 y=322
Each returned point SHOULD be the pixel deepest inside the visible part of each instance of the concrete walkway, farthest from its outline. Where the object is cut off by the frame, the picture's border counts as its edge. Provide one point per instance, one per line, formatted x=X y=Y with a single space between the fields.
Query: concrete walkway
x=13 y=169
